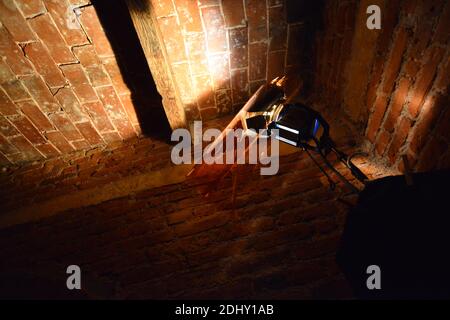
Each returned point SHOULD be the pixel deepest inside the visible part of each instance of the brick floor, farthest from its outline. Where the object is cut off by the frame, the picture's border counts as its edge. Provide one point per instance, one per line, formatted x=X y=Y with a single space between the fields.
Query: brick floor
x=272 y=237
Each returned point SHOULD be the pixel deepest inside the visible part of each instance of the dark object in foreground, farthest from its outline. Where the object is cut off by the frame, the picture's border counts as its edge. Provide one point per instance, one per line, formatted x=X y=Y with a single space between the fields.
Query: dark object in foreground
x=405 y=231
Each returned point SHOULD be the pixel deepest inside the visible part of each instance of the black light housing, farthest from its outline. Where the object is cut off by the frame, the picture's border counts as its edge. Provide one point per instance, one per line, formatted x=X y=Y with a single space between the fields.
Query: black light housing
x=298 y=125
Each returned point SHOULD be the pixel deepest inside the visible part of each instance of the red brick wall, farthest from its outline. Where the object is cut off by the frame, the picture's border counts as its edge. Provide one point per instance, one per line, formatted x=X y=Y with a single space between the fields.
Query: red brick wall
x=221 y=51
x=277 y=240
x=61 y=89
x=391 y=83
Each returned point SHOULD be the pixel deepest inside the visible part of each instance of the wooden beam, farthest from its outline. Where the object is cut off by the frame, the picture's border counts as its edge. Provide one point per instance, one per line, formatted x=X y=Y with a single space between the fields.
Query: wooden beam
x=152 y=42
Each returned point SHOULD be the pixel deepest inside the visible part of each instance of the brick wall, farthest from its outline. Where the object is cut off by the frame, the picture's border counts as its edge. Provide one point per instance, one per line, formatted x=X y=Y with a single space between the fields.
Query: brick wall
x=392 y=84
x=61 y=87
x=222 y=51
x=277 y=240
x=36 y=182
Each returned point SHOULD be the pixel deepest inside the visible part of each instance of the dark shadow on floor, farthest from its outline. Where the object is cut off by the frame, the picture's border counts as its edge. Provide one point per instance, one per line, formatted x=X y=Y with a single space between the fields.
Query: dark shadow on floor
x=118 y=26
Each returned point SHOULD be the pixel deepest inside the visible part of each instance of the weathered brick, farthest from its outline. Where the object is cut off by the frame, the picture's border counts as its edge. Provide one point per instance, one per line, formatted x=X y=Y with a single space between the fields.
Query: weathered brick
x=86 y=55
x=94 y=30
x=377 y=72
x=420 y=43
x=189 y=15
x=79 y=82
x=239 y=85
x=426 y=12
x=7 y=106
x=115 y=111
x=431 y=110
x=200 y=225
x=111 y=137
x=116 y=75
x=257 y=20
x=274 y=3
x=40 y=93
x=277 y=29
x=163 y=8
x=215 y=31
x=6 y=74
x=4 y=161
x=44 y=64
x=47 y=150
x=257 y=61
x=99 y=116
x=66 y=21
x=275 y=64
x=219 y=67
x=15 y=22
x=192 y=112
x=89 y=133
x=398 y=100
x=443 y=126
x=31 y=8
x=196 y=47
x=441 y=34
x=254 y=85
x=48 y=33
x=411 y=68
x=58 y=140
x=6 y=147
x=27 y=151
x=209 y=113
x=65 y=126
x=428 y=159
x=238 y=48
x=382 y=142
x=6 y=128
x=424 y=81
x=15 y=90
x=443 y=78
x=376 y=117
x=80 y=145
x=279 y=236
x=173 y=39
x=203 y=91
x=12 y=54
x=399 y=138
x=28 y=130
x=11 y=84
x=130 y=108
x=181 y=73
x=70 y=104
x=97 y=76
x=32 y=111
x=393 y=65
x=233 y=12
x=202 y=3
x=223 y=101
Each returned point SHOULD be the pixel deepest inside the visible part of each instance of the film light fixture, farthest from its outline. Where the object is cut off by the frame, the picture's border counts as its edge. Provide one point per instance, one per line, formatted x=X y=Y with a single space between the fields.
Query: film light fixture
x=299 y=126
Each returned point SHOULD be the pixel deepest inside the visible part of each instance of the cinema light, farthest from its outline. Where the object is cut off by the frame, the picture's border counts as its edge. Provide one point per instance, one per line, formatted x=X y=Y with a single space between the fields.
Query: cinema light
x=298 y=125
